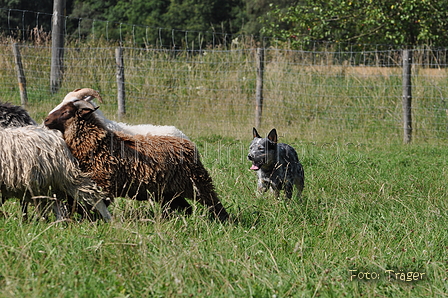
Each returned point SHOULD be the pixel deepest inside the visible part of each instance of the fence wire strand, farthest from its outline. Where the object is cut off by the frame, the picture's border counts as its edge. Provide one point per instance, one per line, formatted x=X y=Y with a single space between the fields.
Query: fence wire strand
x=330 y=92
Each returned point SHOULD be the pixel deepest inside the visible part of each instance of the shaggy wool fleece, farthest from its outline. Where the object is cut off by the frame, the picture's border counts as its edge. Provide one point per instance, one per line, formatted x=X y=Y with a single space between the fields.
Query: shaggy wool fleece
x=166 y=169
x=35 y=161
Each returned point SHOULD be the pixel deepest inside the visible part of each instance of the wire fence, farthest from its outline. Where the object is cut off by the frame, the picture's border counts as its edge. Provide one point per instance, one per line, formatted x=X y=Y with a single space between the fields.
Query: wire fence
x=329 y=92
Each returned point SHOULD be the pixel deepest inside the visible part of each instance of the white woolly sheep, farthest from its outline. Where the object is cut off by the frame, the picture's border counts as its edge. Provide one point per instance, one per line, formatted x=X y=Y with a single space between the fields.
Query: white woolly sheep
x=163 y=168
x=89 y=94
x=16 y=116
x=35 y=161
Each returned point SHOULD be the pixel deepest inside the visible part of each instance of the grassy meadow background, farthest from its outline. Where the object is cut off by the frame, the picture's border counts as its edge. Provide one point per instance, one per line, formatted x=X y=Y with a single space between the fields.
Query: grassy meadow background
x=308 y=95
x=370 y=203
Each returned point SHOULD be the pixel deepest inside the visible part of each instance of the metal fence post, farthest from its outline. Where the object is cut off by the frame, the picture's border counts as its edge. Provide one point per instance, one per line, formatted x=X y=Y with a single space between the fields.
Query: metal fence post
x=259 y=87
x=120 y=82
x=20 y=75
x=407 y=96
x=57 y=45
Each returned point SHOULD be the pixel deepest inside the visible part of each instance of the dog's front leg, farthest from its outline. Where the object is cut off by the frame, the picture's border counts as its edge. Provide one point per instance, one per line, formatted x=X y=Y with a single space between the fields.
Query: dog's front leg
x=276 y=192
x=262 y=186
x=275 y=188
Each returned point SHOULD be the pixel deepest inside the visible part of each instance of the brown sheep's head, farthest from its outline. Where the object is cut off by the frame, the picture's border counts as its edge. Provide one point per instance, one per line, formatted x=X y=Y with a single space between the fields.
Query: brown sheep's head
x=86 y=94
x=62 y=117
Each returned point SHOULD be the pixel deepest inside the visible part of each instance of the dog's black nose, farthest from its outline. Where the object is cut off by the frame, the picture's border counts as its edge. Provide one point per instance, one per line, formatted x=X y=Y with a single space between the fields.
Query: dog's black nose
x=249 y=157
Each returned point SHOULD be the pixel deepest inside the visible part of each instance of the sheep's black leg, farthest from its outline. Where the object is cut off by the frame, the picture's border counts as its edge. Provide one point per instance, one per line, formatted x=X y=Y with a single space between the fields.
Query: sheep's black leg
x=3 y=191
x=177 y=203
x=24 y=205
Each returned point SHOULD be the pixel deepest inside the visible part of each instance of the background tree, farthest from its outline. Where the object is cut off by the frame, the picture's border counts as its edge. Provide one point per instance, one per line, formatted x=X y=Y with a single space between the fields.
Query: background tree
x=20 y=23
x=202 y=16
x=114 y=15
x=158 y=20
x=254 y=10
x=405 y=22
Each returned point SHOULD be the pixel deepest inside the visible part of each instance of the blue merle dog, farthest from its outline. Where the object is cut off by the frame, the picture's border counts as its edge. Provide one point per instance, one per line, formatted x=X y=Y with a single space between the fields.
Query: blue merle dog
x=276 y=164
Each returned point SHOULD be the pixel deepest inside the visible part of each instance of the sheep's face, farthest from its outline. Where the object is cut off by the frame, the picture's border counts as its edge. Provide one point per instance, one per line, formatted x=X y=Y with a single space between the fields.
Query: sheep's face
x=61 y=118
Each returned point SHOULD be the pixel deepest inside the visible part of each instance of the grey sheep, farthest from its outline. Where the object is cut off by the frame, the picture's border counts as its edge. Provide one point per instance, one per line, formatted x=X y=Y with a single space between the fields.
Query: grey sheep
x=14 y=116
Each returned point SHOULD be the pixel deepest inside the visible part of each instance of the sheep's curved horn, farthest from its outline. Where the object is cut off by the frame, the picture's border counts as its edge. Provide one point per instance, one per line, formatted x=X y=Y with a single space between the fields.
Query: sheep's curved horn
x=80 y=93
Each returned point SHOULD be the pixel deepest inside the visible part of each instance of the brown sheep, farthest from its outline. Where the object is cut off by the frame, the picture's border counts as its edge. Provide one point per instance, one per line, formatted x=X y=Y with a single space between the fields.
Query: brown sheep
x=166 y=169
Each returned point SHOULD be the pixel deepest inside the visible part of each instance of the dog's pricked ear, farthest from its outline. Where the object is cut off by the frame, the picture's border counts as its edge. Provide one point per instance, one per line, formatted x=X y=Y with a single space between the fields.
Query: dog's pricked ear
x=272 y=136
x=255 y=133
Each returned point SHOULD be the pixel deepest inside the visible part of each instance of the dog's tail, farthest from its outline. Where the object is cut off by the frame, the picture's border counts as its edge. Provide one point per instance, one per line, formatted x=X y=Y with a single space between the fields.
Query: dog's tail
x=299 y=181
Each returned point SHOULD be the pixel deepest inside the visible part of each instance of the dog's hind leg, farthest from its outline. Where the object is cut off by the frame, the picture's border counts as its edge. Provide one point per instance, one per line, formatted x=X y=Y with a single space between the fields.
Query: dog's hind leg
x=288 y=190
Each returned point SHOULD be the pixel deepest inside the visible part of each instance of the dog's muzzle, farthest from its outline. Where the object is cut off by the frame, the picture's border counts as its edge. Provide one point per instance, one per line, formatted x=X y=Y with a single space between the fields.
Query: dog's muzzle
x=255 y=165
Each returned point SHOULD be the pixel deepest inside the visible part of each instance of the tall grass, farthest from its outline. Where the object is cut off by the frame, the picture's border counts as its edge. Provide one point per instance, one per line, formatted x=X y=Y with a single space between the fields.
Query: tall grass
x=212 y=91
x=365 y=208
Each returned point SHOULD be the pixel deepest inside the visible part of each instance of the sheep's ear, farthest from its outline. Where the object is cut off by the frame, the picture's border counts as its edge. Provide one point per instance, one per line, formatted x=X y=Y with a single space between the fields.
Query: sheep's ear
x=272 y=136
x=255 y=133
x=86 y=111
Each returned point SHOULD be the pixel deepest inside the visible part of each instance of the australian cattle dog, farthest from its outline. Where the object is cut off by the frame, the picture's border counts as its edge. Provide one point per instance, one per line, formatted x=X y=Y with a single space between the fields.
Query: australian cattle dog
x=276 y=164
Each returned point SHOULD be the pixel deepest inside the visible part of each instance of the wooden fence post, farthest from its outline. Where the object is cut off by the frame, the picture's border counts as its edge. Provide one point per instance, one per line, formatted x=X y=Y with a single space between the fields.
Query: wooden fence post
x=407 y=96
x=57 y=45
x=259 y=87
x=120 y=82
x=20 y=75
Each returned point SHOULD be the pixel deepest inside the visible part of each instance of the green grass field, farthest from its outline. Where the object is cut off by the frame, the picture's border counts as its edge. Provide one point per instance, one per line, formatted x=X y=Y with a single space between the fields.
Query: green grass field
x=372 y=208
x=371 y=205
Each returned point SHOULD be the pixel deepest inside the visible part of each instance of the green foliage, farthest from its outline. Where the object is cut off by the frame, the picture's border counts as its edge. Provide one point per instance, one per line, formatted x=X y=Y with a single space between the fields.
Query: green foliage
x=149 y=16
x=88 y=11
x=17 y=16
x=38 y=6
x=406 y=22
x=254 y=9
